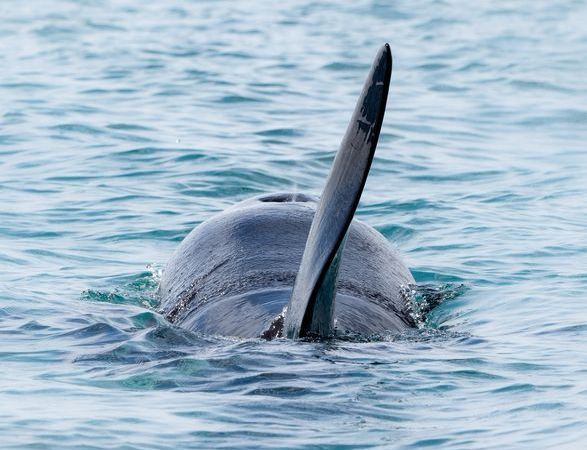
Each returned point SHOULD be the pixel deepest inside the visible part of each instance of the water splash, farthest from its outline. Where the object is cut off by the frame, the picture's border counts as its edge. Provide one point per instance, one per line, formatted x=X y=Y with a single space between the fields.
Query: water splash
x=424 y=298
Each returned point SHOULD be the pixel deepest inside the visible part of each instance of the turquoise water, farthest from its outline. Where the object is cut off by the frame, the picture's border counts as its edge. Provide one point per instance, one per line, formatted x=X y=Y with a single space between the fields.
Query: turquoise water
x=124 y=124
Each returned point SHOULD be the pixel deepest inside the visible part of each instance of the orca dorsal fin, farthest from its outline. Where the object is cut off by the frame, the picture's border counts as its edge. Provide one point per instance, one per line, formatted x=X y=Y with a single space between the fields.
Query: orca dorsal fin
x=311 y=306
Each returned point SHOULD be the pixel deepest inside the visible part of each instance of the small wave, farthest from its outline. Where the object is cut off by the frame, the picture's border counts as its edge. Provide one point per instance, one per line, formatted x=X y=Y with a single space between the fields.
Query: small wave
x=138 y=290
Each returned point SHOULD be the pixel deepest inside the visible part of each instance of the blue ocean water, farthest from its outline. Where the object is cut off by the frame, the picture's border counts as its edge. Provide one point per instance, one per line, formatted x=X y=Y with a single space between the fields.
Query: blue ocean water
x=123 y=124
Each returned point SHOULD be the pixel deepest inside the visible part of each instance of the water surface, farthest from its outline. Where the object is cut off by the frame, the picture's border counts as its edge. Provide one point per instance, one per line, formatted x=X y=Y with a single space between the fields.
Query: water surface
x=123 y=124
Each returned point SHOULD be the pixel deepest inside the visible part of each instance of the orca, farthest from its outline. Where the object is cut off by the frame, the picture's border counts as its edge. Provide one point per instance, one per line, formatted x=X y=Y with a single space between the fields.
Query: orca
x=293 y=265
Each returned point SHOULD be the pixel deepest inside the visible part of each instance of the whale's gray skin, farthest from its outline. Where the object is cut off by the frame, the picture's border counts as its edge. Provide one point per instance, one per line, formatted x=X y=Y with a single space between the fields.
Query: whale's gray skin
x=233 y=274
x=294 y=265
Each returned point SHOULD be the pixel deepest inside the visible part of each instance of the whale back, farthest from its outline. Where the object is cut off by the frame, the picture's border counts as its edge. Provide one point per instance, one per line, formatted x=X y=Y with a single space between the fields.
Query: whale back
x=233 y=274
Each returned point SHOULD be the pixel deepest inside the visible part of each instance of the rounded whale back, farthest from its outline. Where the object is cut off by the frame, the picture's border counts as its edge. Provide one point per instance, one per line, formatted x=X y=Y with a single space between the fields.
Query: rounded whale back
x=234 y=273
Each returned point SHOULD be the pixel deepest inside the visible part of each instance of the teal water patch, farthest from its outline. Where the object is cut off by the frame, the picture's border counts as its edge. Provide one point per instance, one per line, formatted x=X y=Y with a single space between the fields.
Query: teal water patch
x=138 y=290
